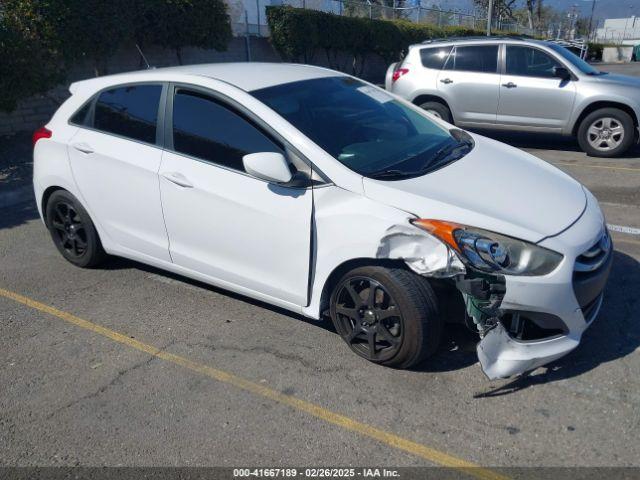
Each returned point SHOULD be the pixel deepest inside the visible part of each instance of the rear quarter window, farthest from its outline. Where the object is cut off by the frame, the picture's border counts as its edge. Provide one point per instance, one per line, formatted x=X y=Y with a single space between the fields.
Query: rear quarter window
x=82 y=117
x=129 y=111
x=434 y=58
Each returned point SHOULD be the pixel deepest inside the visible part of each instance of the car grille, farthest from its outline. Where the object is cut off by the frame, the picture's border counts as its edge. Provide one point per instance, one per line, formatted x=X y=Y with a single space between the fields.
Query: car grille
x=594 y=257
x=591 y=271
x=590 y=310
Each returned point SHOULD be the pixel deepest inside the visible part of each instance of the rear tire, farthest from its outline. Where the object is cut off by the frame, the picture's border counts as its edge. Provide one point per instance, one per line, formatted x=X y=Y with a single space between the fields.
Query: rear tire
x=72 y=230
x=439 y=110
x=607 y=132
x=397 y=324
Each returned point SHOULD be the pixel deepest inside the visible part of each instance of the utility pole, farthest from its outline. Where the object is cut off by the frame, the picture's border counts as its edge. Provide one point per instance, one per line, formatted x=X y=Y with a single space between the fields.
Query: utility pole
x=573 y=17
x=593 y=7
x=489 y=17
x=624 y=35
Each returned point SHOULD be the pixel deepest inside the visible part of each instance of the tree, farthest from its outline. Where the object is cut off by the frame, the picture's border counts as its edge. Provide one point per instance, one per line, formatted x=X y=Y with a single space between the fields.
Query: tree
x=177 y=24
x=502 y=9
x=76 y=29
x=31 y=64
x=93 y=29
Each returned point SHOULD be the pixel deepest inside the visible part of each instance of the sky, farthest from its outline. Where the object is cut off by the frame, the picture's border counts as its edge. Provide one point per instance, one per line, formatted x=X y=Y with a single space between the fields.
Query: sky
x=604 y=8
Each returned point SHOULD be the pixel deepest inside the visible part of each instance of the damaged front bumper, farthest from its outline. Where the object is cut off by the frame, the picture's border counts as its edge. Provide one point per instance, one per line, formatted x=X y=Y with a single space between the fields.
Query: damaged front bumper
x=524 y=321
x=543 y=318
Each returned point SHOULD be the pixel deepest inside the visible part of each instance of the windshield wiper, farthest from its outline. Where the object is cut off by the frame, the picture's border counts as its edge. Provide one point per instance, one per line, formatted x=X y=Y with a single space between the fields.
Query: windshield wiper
x=443 y=156
x=446 y=153
x=387 y=174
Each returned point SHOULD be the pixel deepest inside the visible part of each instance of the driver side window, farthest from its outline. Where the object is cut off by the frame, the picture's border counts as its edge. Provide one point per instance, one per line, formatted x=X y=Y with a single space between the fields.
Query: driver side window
x=530 y=62
x=206 y=129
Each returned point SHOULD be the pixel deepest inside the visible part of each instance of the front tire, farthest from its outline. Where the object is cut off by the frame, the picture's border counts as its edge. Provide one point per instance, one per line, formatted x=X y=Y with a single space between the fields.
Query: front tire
x=72 y=230
x=388 y=316
x=607 y=132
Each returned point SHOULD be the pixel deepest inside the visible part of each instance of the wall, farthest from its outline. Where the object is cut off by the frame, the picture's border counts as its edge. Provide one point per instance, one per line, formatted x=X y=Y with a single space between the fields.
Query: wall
x=36 y=111
x=617 y=54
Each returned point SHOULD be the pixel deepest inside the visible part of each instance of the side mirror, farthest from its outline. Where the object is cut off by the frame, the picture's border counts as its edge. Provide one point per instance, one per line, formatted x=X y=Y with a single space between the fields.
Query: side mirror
x=269 y=166
x=561 y=72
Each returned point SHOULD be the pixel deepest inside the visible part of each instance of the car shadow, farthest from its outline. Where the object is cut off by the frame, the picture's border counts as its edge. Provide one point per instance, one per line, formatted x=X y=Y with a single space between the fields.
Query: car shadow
x=119 y=263
x=613 y=335
x=543 y=141
x=16 y=215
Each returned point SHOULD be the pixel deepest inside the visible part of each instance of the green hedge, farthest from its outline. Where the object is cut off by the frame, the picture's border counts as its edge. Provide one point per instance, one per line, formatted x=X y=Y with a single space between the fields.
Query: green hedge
x=299 y=35
x=41 y=40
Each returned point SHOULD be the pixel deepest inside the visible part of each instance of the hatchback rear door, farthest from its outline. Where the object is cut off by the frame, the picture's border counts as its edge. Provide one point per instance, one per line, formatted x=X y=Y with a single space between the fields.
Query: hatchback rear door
x=115 y=157
x=469 y=82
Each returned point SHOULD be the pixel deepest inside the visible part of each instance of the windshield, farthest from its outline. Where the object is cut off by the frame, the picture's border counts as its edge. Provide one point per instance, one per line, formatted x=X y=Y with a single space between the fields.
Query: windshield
x=575 y=60
x=365 y=128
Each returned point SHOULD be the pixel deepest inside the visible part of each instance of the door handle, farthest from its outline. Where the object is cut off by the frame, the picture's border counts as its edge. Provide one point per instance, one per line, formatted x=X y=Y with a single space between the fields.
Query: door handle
x=509 y=85
x=82 y=147
x=178 y=179
x=446 y=81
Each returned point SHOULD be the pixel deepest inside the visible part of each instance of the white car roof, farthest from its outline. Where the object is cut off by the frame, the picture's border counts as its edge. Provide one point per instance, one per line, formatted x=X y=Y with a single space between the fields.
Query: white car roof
x=247 y=76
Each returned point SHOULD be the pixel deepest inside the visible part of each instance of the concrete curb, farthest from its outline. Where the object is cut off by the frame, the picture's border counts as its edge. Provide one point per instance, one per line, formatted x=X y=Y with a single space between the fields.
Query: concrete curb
x=17 y=195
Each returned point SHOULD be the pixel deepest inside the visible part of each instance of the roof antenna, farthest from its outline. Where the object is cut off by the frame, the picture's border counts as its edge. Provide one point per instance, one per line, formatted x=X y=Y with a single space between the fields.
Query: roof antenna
x=143 y=57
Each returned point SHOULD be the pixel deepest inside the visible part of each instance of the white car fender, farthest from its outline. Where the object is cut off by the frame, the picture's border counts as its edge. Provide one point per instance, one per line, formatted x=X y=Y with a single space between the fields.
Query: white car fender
x=348 y=226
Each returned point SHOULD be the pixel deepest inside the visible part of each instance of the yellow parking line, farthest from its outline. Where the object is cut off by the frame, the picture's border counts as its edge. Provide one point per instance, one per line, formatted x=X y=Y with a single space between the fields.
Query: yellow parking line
x=589 y=165
x=390 y=439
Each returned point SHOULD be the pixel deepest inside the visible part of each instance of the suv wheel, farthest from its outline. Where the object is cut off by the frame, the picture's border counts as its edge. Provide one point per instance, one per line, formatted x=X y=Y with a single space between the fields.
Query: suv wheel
x=608 y=132
x=387 y=315
x=438 y=110
x=72 y=230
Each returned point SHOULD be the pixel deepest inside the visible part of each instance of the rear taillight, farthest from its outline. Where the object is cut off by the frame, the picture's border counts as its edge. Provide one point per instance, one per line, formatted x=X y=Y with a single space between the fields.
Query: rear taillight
x=399 y=73
x=42 y=132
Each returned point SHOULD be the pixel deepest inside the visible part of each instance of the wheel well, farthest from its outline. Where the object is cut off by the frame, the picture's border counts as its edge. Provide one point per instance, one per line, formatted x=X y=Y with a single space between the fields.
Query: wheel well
x=45 y=199
x=597 y=106
x=420 y=99
x=344 y=267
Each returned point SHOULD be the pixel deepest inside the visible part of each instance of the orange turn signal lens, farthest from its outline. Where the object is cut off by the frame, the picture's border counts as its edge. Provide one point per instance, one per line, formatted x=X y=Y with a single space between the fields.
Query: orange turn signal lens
x=440 y=229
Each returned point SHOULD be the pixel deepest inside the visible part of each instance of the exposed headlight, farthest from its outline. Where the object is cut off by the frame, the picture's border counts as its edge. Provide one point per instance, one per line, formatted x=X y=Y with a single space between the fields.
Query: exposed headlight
x=492 y=252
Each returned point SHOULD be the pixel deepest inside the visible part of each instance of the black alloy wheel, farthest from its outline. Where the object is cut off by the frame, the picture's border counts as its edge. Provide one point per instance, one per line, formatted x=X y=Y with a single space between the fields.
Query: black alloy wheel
x=371 y=318
x=72 y=230
x=386 y=315
x=71 y=235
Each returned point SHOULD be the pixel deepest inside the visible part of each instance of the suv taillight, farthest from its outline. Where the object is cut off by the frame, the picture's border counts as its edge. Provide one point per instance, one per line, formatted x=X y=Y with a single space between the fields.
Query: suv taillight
x=399 y=73
x=42 y=132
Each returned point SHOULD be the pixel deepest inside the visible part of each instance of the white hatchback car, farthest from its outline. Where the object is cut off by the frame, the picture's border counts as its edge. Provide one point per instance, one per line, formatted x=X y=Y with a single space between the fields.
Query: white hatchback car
x=322 y=194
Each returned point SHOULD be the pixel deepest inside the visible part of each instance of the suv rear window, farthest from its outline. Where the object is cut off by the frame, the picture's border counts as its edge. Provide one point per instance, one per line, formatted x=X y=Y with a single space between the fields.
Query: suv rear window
x=130 y=111
x=474 y=58
x=434 y=57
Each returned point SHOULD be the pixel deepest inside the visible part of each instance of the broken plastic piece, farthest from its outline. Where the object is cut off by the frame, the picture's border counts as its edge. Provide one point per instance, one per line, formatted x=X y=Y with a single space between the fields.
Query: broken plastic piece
x=423 y=253
x=498 y=357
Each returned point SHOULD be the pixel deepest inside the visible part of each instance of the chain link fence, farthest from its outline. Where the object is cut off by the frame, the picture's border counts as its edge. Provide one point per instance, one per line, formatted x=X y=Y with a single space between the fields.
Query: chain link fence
x=253 y=20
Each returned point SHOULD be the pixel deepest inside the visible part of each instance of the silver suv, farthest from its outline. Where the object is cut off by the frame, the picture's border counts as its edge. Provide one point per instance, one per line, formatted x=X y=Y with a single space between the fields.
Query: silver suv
x=520 y=84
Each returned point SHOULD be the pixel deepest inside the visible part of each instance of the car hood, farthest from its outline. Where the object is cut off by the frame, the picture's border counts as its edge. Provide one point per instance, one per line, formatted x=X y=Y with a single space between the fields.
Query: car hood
x=495 y=187
x=617 y=80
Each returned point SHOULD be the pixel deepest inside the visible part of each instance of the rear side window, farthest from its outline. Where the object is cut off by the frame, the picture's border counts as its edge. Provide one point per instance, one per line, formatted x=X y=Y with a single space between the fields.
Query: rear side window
x=434 y=57
x=205 y=128
x=474 y=58
x=130 y=111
